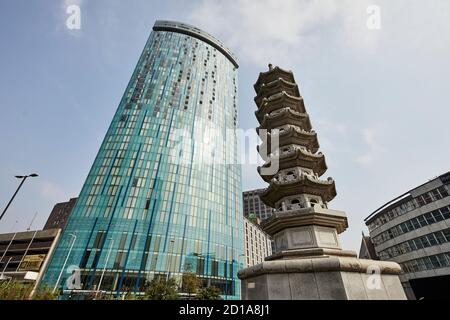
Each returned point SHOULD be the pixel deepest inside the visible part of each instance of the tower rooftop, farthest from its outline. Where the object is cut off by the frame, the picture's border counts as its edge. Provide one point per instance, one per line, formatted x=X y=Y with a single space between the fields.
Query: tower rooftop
x=175 y=26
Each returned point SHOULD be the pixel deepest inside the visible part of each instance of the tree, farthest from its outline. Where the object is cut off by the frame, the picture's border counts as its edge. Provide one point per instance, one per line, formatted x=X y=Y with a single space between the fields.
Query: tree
x=44 y=292
x=209 y=293
x=191 y=283
x=16 y=290
x=161 y=289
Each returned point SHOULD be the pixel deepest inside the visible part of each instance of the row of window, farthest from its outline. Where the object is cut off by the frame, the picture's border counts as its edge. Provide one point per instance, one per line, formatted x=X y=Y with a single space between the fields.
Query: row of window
x=413 y=224
x=427 y=263
x=410 y=205
x=426 y=241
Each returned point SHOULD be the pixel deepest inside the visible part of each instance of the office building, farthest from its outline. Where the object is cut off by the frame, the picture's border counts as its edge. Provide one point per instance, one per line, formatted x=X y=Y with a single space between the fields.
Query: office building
x=164 y=193
x=254 y=205
x=414 y=231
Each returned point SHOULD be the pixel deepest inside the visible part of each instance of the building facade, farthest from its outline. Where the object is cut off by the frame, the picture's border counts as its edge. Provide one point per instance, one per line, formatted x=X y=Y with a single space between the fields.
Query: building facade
x=25 y=255
x=414 y=231
x=60 y=215
x=164 y=194
x=254 y=205
x=258 y=244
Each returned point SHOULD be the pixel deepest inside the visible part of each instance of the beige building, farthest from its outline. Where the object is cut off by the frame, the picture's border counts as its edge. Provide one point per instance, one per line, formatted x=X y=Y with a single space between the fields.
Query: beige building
x=258 y=244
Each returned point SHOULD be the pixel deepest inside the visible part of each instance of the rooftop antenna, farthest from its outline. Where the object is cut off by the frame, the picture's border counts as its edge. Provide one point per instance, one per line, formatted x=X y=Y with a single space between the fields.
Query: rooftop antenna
x=32 y=220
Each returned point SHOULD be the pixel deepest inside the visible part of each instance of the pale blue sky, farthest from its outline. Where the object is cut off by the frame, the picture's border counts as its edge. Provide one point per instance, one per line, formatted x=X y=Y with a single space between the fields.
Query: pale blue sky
x=377 y=98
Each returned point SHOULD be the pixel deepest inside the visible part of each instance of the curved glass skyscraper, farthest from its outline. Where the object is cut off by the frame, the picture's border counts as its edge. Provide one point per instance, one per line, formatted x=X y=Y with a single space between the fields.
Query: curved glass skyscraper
x=163 y=196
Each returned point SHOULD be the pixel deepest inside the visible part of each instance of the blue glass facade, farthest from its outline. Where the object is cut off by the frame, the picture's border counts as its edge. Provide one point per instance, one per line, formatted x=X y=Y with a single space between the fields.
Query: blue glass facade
x=147 y=210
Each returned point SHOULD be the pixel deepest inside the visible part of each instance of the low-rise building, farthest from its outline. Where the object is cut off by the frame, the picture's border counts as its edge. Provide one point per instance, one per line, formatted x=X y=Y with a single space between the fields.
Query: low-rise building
x=24 y=255
x=367 y=249
x=414 y=231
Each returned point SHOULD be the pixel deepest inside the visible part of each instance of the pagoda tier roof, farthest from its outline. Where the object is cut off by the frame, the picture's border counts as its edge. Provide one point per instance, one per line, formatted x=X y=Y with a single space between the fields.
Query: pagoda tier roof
x=271 y=75
x=284 y=116
x=279 y=101
x=297 y=157
x=294 y=135
x=269 y=89
x=304 y=184
x=316 y=215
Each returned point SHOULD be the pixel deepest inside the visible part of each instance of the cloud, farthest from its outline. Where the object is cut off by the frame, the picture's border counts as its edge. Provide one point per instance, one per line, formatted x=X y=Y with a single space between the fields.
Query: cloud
x=369 y=136
x=265 y=29
x=285 y=32
x=271 y=30
x=51 y=191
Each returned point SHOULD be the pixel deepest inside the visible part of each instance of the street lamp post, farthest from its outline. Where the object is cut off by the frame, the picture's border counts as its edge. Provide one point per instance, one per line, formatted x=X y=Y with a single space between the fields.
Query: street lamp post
x=74 y=237
x=15 y=193
x=106 y=264
x=2 y=277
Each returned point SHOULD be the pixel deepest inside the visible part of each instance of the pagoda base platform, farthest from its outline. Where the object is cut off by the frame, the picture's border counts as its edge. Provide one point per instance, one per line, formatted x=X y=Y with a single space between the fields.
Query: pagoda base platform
x=325 y=275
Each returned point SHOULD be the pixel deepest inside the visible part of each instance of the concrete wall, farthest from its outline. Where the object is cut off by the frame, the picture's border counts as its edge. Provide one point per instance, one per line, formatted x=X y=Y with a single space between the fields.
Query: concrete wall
x=336 y=285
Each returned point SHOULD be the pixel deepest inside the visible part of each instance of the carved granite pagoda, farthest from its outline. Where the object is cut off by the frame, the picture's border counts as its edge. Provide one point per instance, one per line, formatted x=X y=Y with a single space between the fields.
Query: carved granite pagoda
x=308 y=262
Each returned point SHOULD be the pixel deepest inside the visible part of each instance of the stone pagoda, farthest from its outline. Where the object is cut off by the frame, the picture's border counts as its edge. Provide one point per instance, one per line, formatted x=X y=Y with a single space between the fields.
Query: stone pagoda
x=308 y=262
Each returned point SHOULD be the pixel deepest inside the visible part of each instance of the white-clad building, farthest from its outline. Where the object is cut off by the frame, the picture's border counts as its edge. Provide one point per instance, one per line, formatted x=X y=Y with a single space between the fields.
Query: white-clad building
x=258 y=244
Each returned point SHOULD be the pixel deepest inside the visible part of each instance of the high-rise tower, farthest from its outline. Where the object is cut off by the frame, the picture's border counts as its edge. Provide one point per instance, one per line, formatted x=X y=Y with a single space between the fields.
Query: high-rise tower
x=148 y=207
x=309 y=262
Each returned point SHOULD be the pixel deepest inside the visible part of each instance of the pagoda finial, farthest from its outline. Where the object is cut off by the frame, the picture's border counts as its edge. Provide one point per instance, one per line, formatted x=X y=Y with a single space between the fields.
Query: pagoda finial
x=270 y=66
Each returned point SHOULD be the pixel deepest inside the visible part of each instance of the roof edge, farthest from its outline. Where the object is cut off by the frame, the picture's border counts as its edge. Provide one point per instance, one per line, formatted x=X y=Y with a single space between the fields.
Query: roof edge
x=183 y=28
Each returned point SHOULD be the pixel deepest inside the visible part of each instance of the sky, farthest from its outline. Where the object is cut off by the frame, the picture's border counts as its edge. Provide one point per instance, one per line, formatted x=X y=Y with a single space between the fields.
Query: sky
x=374 y=76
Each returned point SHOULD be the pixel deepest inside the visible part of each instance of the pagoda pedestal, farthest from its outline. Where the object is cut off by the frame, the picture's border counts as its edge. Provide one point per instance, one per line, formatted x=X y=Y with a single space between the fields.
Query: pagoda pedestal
x=309 y=262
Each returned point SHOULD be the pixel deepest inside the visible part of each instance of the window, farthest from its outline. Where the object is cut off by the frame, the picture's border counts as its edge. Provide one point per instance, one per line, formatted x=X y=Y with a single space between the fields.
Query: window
x=418 y=243
x=415 y=223
x=123 y=239
x=432 y=240
x=422 y=221
x=440 y=237
x=446 y=213
x=435 y=262
x=409 y=225
x=429 y=218
x=438 y=216
x=443 y=262
x=85 y=259
x=427 y=198
x=443 y=192
x=119 y=263
x=420 y=201
x=425 y=242
x=99 y=239
x=436 y=195
x=446 y=234
x=425 y=264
